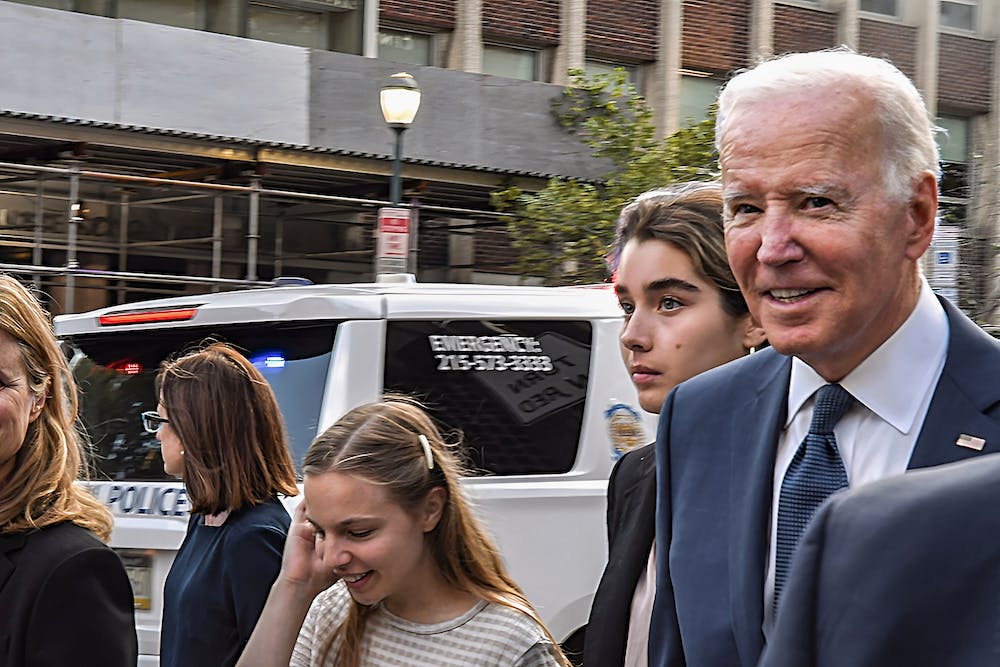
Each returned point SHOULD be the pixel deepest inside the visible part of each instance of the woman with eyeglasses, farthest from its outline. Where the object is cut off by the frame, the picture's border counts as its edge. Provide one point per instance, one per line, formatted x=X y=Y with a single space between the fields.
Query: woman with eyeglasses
x=220 y=430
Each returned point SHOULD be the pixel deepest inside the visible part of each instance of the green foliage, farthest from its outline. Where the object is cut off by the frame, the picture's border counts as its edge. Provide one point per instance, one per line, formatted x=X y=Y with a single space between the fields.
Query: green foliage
x=564 y=231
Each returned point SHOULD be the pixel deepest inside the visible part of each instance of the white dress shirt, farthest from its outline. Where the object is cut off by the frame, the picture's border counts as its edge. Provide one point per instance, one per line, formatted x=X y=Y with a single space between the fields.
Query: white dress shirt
x=893 y=389
x=640 y=615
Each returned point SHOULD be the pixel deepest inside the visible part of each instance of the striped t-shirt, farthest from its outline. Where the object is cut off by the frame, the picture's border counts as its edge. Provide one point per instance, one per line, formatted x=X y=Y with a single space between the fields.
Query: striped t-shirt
x=488 y=635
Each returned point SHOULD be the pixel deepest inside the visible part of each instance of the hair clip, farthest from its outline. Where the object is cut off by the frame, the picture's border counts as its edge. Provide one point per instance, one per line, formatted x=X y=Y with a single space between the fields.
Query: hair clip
x=427 y=451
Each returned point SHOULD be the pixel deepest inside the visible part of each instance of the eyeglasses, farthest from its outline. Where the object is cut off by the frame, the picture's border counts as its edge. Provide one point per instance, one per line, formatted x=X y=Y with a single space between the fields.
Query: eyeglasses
x=152 y=421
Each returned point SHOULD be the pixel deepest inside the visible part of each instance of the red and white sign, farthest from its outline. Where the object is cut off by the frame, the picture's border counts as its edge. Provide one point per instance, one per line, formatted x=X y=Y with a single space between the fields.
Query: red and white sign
x=392 y=248
x=393 y=232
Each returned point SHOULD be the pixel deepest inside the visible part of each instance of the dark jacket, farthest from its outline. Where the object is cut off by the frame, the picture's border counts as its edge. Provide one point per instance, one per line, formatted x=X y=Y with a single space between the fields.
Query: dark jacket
x=900 y=572
x=631 y=509
x=65 y=600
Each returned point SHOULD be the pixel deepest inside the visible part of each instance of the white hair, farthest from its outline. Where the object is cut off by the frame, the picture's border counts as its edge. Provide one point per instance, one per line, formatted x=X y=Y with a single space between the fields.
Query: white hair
x=908 y=146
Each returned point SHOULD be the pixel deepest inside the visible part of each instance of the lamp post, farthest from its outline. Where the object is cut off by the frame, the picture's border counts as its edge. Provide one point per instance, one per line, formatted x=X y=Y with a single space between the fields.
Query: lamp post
x=400 y=99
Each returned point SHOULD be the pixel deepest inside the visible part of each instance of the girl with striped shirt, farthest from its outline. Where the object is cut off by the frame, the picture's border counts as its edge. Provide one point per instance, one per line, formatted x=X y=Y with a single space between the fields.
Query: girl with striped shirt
x=385 y=564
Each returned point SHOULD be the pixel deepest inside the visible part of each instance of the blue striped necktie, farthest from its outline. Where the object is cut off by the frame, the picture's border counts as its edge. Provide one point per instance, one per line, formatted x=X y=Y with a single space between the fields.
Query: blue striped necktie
x=815 y=472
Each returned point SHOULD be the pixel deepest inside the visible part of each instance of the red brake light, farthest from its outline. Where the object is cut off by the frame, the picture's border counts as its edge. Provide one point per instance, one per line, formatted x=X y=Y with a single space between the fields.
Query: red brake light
x=148 y=316
x=126 y=367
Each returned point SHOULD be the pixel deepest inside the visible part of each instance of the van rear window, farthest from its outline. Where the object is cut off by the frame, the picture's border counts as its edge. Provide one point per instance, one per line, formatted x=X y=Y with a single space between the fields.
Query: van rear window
x=115 y=373
x=515 y=389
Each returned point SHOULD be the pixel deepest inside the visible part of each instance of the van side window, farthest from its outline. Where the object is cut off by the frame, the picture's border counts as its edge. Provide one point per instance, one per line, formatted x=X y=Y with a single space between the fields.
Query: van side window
x=515 y=389
x=115 y=372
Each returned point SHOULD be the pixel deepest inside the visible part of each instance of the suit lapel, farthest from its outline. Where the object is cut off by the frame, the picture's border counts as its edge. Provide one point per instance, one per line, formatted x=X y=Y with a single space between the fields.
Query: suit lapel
x=751 y=480
x=636 y=529
x=8 y=545
x=969 y=386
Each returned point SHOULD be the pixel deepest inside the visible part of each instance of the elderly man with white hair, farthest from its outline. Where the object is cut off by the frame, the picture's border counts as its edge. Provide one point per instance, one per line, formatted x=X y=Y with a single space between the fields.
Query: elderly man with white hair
x=829 y=172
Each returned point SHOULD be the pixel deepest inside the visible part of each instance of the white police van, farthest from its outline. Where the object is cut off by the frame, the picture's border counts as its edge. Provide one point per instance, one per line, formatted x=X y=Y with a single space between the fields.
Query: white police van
x=532 y=376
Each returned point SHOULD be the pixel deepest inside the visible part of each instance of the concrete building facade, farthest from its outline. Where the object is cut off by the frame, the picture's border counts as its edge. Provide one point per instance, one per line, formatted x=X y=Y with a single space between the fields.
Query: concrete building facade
x=280 y=96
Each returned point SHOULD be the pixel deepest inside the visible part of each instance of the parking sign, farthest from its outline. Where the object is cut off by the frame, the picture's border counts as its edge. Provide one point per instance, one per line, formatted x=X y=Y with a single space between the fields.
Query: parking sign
x=393 y=243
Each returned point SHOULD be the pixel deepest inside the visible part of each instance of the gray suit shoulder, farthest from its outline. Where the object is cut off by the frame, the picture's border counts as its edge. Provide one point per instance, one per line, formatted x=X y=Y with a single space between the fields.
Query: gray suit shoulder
x=922 y=500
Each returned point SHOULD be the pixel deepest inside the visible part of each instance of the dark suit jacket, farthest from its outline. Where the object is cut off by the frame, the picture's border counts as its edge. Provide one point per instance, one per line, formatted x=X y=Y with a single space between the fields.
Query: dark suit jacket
x=715 y=453
x=65 y=600
x=631 y=507
x=902 y=572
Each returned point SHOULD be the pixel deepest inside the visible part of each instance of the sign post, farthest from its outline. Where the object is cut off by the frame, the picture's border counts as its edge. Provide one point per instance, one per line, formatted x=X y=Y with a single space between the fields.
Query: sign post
x=392 y=246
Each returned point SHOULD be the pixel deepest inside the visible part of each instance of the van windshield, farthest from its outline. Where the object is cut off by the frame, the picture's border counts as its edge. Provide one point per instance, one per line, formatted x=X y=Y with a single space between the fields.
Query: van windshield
x=115 y=372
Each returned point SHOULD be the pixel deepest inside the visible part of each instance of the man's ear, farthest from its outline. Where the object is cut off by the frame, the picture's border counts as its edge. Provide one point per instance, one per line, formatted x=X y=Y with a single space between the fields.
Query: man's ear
x=921 y=214
x=433 y=508
x=753 y=334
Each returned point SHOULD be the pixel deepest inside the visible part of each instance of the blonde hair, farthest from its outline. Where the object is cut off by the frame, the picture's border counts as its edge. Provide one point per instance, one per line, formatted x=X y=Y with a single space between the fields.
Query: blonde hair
x=381 y=443
x=42 y=490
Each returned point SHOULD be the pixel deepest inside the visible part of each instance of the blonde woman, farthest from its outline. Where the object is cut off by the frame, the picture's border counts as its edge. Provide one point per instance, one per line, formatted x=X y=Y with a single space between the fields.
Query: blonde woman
x=385 y=563
x=66 y=598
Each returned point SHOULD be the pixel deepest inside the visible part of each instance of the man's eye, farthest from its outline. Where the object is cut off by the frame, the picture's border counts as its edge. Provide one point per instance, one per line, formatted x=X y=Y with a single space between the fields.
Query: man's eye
x=627 y=308
x=818 y=202
x=670 y=303
x=359 y=534
x=745 y=209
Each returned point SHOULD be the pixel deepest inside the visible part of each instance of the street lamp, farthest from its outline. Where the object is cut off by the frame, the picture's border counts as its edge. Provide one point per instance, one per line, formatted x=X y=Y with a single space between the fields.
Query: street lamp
x=400 y=99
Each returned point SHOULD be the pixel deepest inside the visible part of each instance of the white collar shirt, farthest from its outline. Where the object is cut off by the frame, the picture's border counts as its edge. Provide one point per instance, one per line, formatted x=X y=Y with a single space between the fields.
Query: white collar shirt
x=893 y=387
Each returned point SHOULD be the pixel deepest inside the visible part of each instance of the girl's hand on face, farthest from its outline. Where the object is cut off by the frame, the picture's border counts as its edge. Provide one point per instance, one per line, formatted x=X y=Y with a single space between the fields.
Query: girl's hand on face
x=302 y=563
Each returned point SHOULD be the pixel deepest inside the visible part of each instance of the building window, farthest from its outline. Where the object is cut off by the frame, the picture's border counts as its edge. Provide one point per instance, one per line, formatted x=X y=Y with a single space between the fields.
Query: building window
x=595 y=67
x=953 y=141
x=959 y=14
x=953 y=144
x=886 y=7
x=510 y=62
x=50 y=4
x=405 y=47
x=98 y=7
x=272 y=23
x=316 y=24
x=698 y=93
x=177 y=13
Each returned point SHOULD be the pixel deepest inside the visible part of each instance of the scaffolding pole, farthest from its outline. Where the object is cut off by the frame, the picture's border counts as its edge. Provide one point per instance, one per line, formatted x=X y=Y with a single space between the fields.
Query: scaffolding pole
x=253 y=228
x=75 y=213
x=217 y=240
x=36 y=251
x=123 y=215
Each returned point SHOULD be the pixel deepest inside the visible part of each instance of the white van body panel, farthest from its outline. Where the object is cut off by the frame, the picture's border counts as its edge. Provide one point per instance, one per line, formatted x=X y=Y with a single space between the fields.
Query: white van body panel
x=355 y=369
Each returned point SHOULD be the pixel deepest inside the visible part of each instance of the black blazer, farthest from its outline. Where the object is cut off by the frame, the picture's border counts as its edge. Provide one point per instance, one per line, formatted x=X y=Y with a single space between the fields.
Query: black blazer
x=631 y=510
x=900 y=572
x=66 y=601
x=715 y=451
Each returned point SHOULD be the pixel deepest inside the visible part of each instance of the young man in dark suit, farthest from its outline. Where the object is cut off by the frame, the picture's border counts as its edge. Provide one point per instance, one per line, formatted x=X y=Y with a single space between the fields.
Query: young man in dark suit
x=829 y=170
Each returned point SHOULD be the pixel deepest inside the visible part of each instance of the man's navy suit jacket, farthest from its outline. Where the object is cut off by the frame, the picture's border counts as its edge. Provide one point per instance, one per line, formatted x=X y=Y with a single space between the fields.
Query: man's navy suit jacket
x=715 y=453
x=900 y=572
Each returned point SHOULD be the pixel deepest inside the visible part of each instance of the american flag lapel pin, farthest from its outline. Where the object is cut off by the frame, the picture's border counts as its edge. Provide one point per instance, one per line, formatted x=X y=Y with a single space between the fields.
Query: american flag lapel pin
x=971 y=442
